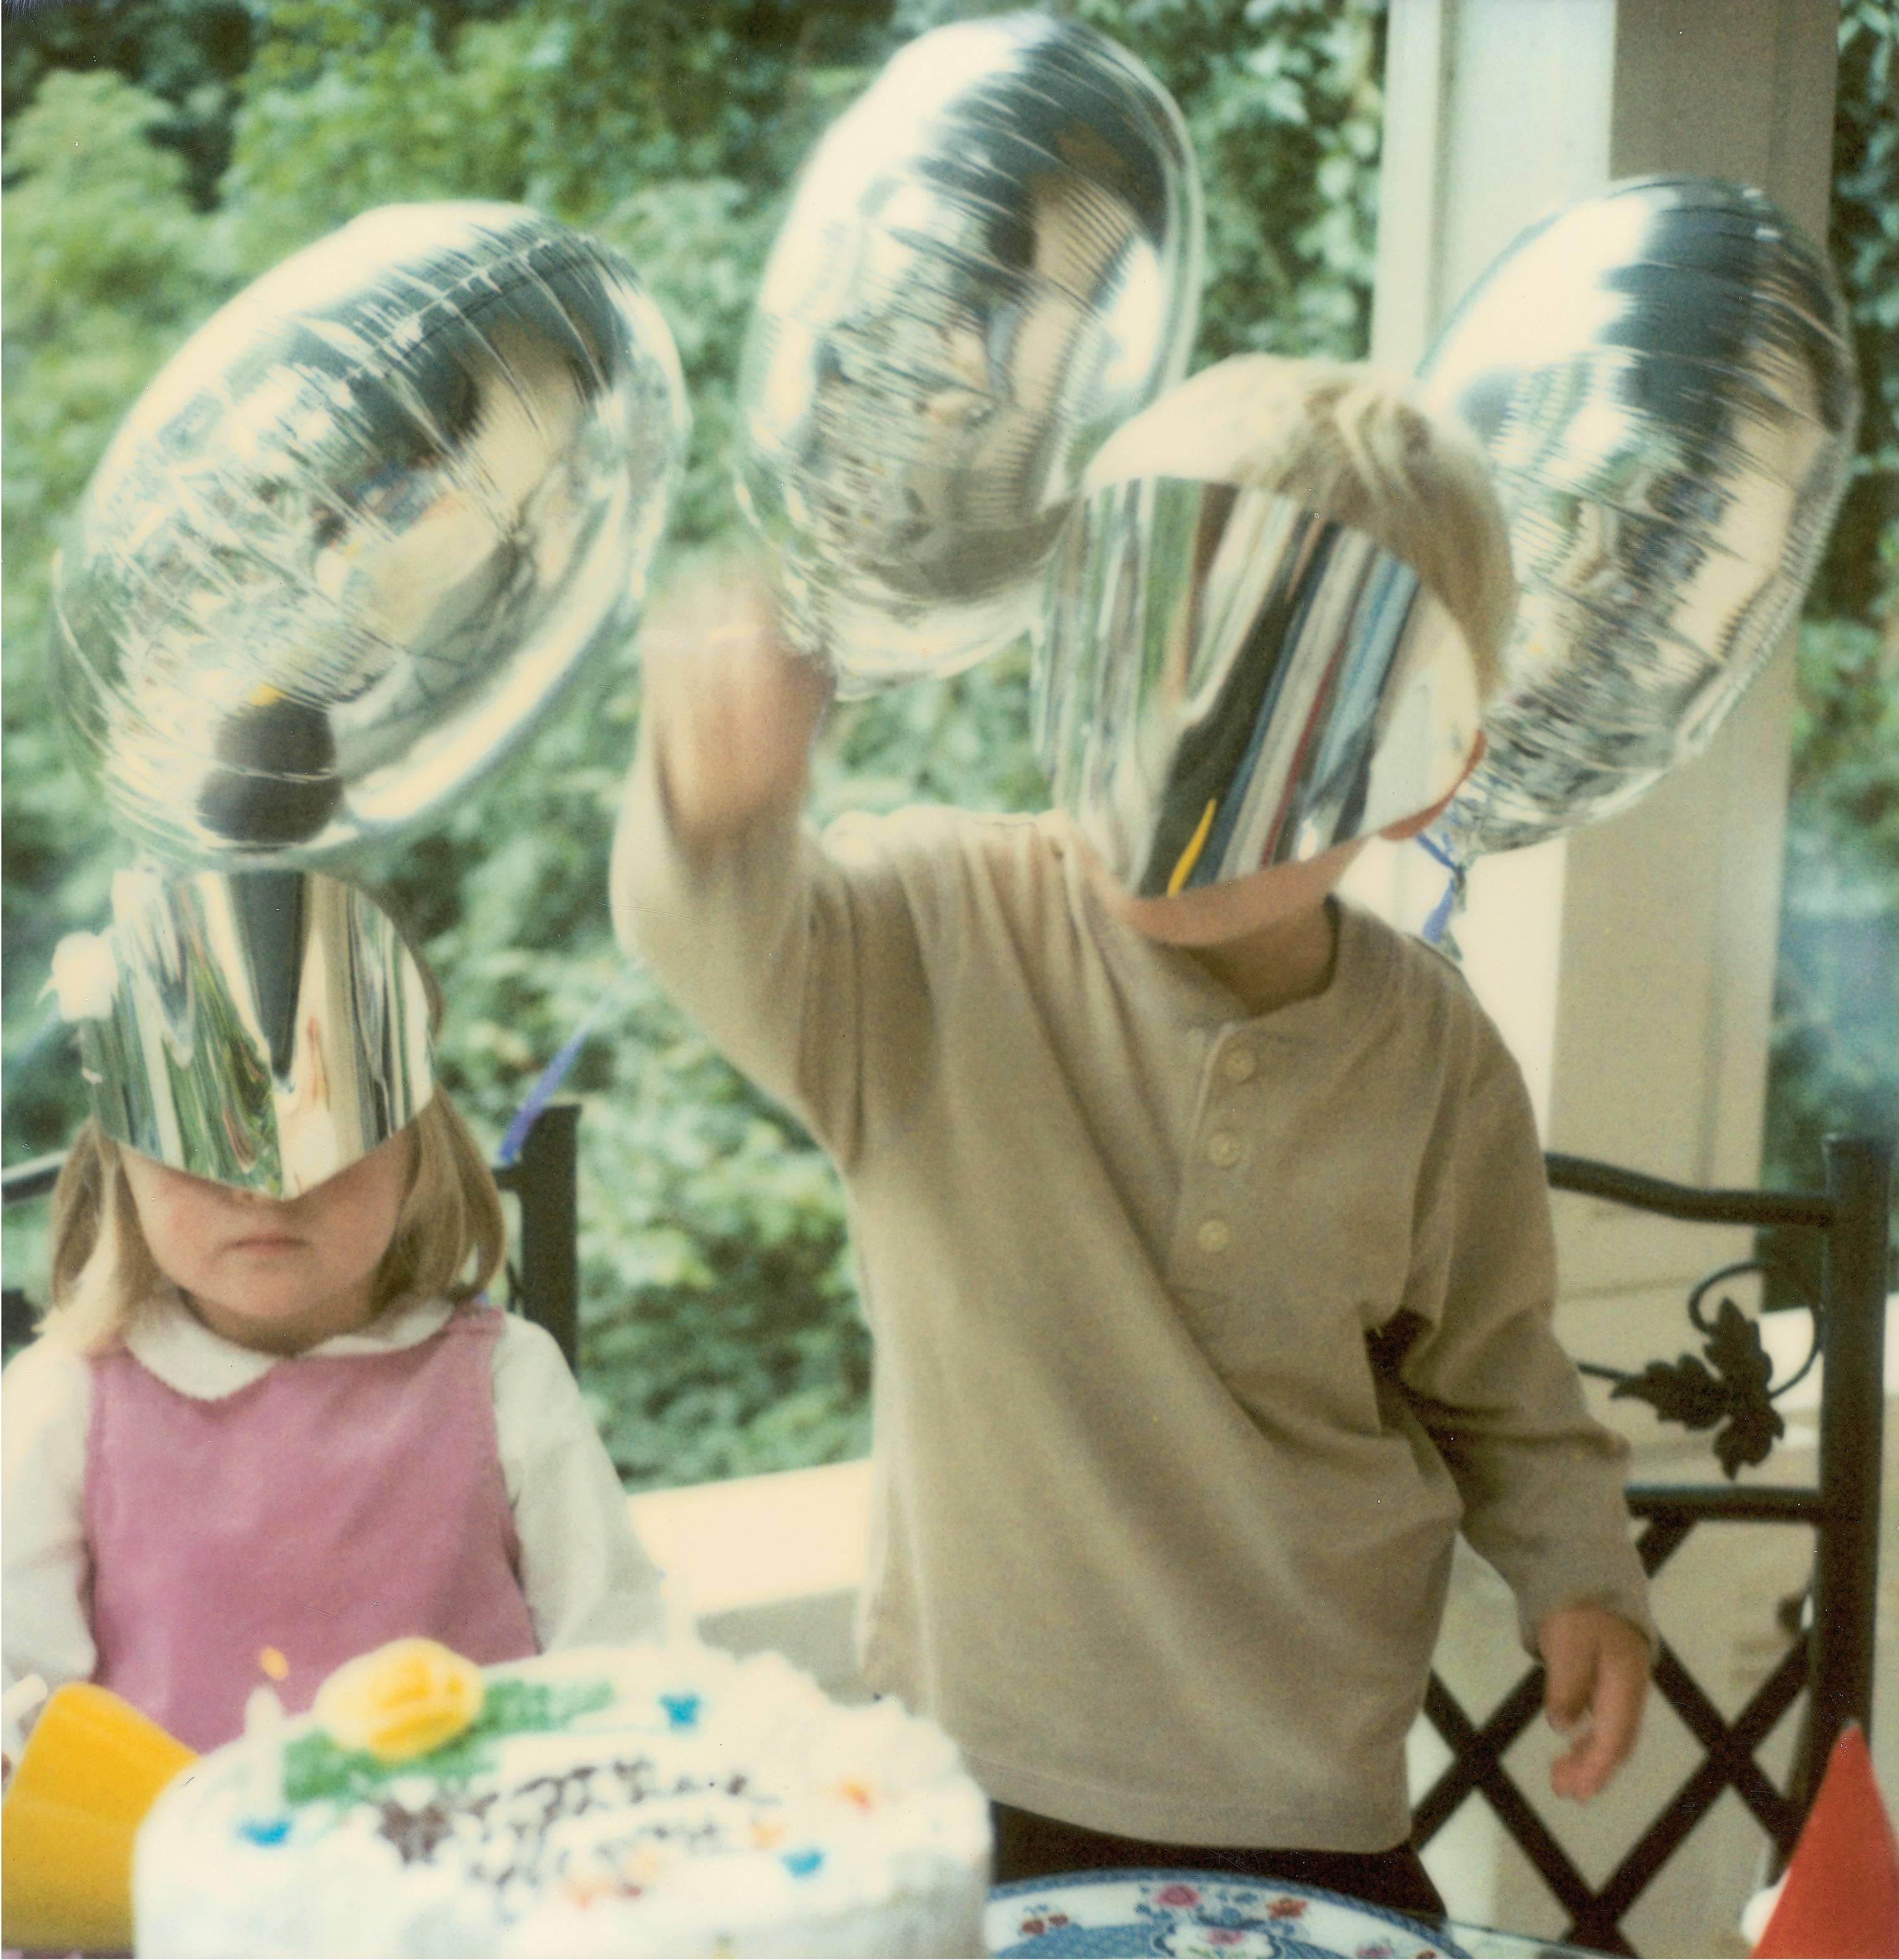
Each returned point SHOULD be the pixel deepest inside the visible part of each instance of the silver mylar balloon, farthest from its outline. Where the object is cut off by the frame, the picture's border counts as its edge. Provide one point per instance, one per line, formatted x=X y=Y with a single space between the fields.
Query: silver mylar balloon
x=353 y=538
x=1661 y=379
x=264 y=1029
x=992 y=261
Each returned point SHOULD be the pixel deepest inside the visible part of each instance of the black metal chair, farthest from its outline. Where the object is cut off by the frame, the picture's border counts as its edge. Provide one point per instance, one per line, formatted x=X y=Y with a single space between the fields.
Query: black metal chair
x=544 y=1282
x=21 y=1184
x=543 y=1279
x=1830 y=1652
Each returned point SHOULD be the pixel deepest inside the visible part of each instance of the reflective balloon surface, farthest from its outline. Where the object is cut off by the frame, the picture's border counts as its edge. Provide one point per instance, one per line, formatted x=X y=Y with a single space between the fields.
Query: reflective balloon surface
x=992 y=261
x=350 y=541
x=1661 y=379
x=1224 y=681
x=263 y=1029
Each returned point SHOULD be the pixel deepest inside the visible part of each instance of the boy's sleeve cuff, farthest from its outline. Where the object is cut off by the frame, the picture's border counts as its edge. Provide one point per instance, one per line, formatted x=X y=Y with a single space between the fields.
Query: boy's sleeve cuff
x=1622 y=1593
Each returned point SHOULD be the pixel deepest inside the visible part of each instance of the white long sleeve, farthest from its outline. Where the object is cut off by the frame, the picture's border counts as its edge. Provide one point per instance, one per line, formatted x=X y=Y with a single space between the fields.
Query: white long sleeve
x=585 y=1574
x=46 y=1399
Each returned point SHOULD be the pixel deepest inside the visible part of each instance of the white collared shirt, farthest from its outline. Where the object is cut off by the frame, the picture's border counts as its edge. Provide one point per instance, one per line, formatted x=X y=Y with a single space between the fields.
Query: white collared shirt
x=585 y=1574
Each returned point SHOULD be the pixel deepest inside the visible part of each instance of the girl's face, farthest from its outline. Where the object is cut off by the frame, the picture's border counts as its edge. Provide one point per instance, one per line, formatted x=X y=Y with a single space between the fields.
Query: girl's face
x=278 y=1274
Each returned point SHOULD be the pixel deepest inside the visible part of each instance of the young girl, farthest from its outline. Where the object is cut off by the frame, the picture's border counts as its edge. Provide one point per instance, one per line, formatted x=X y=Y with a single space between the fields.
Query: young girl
x=255 y=1421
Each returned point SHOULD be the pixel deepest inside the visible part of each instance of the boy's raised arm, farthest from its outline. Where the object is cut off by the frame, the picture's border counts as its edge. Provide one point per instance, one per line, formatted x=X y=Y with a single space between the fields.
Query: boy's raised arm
x=755 y=931
x=710 y=873
x=730 y=713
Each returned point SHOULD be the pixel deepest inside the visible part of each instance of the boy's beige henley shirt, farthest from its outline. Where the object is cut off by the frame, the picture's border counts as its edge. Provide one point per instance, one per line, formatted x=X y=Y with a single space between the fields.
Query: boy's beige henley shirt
x=1156 y=1538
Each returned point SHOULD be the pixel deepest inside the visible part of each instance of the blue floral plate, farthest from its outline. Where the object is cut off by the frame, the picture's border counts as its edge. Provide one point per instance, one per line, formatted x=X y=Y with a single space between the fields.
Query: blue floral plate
x=1197 y=1912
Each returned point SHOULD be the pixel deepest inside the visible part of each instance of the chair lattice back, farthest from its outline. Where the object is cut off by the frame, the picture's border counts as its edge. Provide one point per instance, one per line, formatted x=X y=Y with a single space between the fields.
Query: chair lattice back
x=1831 y=1656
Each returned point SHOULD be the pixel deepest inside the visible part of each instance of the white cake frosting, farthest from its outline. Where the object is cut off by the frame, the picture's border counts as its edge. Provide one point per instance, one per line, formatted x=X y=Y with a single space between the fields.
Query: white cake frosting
x=628 y=1800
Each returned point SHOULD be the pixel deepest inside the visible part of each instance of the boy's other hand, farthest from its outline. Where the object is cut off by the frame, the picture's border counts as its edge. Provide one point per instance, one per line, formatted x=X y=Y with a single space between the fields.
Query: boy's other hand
x=1597 y=1680
x=731 y=709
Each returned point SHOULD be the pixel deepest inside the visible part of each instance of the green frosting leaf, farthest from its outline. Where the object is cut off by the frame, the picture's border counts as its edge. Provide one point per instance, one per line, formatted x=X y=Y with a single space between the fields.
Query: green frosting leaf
x=315 y=1768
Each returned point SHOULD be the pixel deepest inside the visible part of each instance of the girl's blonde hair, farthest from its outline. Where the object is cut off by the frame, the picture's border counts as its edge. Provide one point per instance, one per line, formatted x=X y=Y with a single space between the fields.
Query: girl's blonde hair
x=1352 y=445
x=450 y=1237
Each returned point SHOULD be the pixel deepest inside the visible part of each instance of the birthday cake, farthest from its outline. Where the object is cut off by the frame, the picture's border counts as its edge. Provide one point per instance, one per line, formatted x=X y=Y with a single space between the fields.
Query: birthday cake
x=660 y=1799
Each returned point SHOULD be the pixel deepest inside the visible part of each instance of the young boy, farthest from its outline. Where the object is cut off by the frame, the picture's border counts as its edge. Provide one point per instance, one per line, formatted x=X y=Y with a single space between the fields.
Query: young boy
x=1200 y=1217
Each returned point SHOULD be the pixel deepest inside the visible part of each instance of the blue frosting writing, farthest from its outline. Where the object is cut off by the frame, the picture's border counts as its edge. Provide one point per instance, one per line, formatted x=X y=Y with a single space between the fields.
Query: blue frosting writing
x=265 y=1830
x=801 y=1864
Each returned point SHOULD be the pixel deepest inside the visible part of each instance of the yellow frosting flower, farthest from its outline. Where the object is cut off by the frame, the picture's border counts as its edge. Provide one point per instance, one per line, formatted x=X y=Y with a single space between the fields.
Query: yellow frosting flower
x=400 y=1700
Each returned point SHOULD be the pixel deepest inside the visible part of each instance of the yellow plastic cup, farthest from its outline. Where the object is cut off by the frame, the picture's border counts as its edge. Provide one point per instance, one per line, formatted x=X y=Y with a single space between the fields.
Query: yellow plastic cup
x=91 y=1770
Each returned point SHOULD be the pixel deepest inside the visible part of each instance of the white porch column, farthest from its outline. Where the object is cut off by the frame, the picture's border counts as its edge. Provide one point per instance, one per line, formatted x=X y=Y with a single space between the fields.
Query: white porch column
x=1631 y=965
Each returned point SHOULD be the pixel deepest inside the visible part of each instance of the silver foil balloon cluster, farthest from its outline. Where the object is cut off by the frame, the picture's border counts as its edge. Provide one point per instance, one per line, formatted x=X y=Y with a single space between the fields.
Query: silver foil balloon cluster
x=343 y=553
x=991 y=261
x=1661 y=378
x=350 y=541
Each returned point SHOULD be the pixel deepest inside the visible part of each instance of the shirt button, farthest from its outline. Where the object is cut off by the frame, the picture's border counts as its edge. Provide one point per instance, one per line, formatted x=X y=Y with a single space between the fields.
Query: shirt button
x=1213 y=1236
x=1237 y=1063
x=1223 y=1148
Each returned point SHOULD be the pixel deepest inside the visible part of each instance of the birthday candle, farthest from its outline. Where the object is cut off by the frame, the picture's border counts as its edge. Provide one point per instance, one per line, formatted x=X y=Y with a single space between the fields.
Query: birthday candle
x=264 y=1750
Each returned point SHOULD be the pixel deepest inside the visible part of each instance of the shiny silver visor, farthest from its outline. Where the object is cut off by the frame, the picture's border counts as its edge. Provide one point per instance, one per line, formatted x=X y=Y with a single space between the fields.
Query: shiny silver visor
x=1224 y=681
x=262 y=1028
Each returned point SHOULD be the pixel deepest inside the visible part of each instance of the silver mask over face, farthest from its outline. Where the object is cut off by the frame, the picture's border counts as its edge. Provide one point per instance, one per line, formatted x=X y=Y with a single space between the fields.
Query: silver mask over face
x=990 y=263
x=262 y=1028
x=348 y=544
x=1225 y=681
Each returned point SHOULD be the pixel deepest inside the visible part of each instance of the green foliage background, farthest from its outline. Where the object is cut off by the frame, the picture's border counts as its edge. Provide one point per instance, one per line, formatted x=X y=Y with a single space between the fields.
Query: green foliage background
x=161 y=154
x=1835 y=1059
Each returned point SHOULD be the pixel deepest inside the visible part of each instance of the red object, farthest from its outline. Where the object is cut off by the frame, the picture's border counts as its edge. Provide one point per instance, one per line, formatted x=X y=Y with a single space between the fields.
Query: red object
x=1840 y=1900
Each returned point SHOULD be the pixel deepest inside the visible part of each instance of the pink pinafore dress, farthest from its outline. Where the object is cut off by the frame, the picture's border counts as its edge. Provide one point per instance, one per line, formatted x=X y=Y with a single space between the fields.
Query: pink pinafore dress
x=333 y=1503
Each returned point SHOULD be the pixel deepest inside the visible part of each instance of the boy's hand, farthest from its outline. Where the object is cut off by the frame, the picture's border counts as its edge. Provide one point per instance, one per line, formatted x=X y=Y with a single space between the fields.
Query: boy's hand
x=730 y=708
x=1598 y=1678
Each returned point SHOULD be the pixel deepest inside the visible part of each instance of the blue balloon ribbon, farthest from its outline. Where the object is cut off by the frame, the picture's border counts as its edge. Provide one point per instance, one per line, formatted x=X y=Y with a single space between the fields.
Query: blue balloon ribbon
x=550 y=1079
x=1433 y=929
